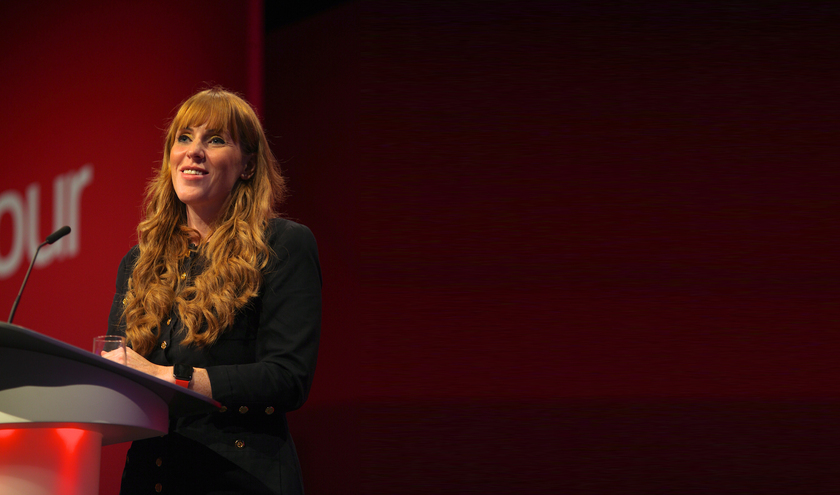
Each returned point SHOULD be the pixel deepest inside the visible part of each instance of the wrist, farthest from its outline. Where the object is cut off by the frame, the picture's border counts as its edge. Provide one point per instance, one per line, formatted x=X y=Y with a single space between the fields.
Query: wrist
x=166 y=374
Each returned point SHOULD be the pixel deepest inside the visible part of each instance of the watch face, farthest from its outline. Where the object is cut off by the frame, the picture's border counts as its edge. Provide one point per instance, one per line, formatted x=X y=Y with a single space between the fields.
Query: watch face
x=183 y=372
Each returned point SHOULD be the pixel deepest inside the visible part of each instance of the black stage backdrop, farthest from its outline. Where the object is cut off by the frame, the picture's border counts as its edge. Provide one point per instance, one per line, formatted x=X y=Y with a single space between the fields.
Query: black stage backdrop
x=569 y=247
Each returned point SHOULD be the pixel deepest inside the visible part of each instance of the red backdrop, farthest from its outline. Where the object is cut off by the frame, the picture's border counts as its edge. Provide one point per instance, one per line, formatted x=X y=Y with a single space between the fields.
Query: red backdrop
x=566 y=249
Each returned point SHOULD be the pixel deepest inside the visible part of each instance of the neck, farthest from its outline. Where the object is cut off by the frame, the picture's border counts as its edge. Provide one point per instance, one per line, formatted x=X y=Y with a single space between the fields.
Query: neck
x=200 y=222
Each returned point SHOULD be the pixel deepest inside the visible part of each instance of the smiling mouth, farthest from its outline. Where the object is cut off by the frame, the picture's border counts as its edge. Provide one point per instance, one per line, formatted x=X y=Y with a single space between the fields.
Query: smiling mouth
x=194 y=172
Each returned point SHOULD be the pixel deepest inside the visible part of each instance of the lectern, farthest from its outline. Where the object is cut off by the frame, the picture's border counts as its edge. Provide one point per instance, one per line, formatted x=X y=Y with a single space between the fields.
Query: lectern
x=60 y=404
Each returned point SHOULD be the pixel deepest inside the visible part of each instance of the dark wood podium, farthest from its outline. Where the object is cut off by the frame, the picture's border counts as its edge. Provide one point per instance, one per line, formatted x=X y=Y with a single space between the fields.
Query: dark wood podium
x=60 y=404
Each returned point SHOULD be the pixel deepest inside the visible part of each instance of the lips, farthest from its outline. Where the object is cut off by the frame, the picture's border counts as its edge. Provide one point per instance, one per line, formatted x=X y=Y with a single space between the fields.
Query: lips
x=193 y=171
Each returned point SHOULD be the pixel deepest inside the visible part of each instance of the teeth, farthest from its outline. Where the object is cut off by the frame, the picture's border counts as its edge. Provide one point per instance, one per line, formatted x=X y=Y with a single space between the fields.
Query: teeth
x=193 y=172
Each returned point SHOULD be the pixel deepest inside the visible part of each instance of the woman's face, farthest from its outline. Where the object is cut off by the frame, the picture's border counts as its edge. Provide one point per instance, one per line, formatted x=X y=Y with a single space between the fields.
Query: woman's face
x=205 y=165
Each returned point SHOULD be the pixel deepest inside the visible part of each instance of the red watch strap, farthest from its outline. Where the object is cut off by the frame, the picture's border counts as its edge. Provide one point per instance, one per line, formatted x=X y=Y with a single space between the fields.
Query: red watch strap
x=183 y=383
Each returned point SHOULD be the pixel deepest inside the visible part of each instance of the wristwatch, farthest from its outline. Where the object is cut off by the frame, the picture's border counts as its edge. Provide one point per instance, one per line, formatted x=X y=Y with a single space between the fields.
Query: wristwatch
x=183 y=374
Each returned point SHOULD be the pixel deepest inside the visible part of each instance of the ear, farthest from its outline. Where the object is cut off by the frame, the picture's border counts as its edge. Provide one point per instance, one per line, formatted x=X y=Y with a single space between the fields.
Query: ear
x=249 y=168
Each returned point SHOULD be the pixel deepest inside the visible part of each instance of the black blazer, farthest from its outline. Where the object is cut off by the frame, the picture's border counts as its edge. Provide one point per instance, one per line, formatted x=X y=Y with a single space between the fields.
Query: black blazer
x=259 y=369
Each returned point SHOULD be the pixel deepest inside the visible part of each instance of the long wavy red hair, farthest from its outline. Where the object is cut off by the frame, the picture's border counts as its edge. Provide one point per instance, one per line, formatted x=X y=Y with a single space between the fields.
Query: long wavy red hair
x=234 y=253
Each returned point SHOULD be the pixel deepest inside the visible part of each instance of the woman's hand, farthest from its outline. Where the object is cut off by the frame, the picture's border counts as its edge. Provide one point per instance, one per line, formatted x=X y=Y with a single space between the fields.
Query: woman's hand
x=138 y=362
x=200 y=382
x=116 y=355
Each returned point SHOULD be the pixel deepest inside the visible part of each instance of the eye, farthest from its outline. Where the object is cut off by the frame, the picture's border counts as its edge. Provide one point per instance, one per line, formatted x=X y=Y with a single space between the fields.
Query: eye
x=183 y=138
x=217 y=140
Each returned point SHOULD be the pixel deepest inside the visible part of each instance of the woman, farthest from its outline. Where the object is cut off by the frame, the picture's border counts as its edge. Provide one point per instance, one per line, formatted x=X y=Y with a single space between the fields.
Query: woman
x=221 y=296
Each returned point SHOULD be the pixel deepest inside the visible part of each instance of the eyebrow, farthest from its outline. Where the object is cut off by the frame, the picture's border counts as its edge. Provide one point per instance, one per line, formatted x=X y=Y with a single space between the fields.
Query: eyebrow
x=220 y=132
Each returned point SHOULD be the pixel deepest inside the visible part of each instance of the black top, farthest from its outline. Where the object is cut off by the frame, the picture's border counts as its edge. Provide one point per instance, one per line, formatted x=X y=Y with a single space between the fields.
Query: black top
x=260 y=368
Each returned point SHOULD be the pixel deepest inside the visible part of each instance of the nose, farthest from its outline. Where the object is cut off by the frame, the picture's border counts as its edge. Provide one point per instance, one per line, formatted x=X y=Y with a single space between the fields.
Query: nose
x=195 y=152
